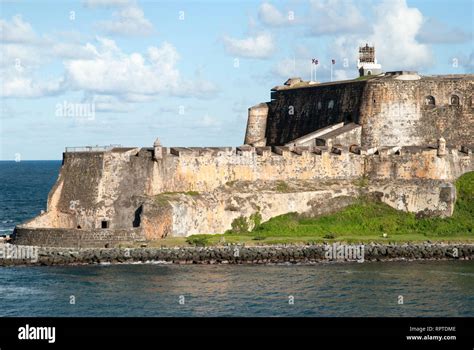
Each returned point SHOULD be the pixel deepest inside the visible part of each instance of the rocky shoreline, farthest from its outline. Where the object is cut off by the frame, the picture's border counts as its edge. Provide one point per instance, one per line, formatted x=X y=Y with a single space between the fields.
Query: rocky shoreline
x=235 y=254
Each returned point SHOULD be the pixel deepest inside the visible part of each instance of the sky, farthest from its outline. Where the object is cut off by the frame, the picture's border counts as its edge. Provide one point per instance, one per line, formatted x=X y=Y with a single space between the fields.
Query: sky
x=102 y=72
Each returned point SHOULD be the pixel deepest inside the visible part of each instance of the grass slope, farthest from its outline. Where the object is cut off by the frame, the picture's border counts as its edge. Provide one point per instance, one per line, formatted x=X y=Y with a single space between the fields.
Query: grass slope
x=362 y=222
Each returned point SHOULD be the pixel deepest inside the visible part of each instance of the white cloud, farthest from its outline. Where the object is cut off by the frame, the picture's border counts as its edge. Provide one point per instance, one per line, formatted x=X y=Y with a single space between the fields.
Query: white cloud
x=99 y=70
x=258 y=46
x=394 y=36
x=134 y=77
x=26 y=87
x=22 y=46
x=270 y=15
x=16 y=31
x=128 y=21
x=25 y=56
x=335 y=16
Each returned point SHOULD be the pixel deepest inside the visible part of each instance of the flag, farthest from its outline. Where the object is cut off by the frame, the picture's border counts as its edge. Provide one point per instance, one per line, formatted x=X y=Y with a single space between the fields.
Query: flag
x=333 y=61
x=315 y=61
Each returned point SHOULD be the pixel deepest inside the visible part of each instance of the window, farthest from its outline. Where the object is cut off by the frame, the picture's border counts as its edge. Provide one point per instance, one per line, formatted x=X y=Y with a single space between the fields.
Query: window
x=429 y=101
x=319 y=105
x=454 y=100
x=105 y=224
x=331 y=104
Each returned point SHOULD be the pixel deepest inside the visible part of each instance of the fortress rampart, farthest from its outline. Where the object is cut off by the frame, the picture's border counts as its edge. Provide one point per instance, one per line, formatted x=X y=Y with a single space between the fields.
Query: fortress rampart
x=151 y=193
x=399 y=109
x=313 y=149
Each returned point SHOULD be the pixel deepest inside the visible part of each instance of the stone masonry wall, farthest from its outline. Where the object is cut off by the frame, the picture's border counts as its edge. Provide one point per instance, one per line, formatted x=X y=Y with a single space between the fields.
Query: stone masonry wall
x=391 y=111
x=75 y=238
x=296 y=112
x=113 y=185
x=394 y=112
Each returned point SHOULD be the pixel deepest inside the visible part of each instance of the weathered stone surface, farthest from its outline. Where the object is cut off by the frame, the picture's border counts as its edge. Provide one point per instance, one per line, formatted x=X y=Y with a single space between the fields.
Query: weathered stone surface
x=391 y=111
x=302 y=254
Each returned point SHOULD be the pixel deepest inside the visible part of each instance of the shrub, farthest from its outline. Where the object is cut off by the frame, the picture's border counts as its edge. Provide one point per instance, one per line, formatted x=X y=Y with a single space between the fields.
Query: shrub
x=282 y=186
x=256 y=220
x=240 y=225
x=198 y=240
x=258 y=238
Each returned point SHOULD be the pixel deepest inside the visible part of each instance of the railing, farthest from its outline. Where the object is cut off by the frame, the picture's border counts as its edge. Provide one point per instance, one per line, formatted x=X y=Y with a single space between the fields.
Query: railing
x=91 y=148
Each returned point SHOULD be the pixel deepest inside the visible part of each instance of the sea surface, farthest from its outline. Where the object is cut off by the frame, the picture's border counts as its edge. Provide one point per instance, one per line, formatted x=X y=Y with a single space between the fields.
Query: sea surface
x=426 y=288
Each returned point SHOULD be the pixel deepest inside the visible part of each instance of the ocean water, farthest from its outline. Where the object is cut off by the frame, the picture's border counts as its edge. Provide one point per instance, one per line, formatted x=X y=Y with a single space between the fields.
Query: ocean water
x=24 y=188
x=428 y=288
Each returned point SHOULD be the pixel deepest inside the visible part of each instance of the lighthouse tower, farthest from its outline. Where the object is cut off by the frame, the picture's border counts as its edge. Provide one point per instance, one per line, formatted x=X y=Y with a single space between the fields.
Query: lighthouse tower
x=367 y=63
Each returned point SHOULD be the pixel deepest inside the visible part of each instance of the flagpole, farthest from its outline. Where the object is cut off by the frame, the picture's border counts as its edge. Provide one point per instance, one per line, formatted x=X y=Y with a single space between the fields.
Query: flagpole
x=331 y=70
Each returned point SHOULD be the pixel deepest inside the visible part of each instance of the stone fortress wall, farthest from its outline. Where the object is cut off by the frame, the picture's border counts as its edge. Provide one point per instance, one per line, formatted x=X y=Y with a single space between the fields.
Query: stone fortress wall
x=401 y=139
x=152 y=193
x=392 y=110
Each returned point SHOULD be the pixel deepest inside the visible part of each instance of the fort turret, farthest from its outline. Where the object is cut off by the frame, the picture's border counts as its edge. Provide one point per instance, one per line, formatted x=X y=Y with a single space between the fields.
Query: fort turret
x=256 y=125
x=157 y=149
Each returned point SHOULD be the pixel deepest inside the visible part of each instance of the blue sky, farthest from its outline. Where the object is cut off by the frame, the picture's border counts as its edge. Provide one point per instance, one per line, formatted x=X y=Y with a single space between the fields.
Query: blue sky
x=186 y=71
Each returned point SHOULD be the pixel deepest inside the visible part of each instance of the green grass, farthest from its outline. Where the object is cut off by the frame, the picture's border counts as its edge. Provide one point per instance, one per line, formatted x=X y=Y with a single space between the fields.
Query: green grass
x=282 y=186
x=365 y=221
x=163 y=198
x=188 y=193
x=365 y=77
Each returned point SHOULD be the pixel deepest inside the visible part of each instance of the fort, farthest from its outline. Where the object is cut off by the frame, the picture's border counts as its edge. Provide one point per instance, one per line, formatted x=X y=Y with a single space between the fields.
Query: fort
x=314 y=148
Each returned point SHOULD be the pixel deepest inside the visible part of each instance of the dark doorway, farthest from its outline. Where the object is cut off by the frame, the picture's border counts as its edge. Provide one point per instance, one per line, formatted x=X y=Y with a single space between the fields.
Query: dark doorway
x=455 y=100
x=105 y=224
x=138 y=213
x=348 y=118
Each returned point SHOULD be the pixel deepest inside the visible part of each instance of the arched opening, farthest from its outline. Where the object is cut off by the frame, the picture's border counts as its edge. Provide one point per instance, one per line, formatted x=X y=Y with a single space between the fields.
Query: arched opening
x=454 y=100
x=137 y=217
x=369 y=72
x=430 y=101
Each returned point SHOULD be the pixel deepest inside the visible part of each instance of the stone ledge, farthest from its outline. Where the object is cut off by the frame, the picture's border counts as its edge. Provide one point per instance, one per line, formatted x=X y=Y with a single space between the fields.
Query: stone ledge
x=236 y=254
